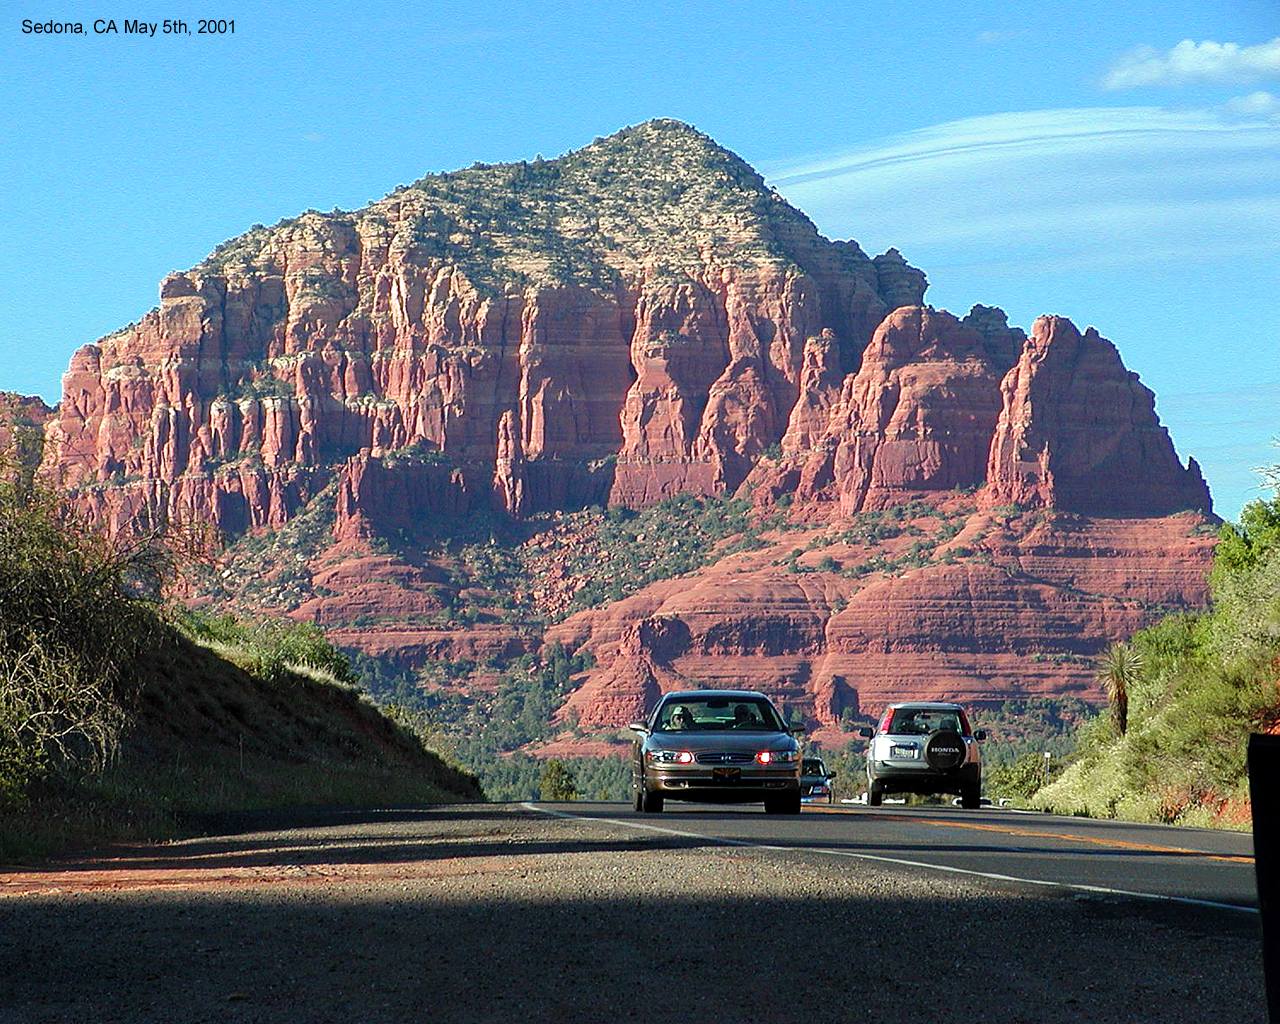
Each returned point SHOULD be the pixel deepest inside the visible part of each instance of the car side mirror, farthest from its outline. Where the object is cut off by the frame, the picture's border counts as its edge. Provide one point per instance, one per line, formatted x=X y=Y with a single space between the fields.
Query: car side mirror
x=639 y=727
x=830 y=776
x=866 y=732
x=797 y=731
x=979 y=734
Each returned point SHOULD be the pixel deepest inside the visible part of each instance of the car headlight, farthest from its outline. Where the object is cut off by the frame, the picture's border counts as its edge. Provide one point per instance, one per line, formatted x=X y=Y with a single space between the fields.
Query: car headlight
x=778 y=757
x=670 y=757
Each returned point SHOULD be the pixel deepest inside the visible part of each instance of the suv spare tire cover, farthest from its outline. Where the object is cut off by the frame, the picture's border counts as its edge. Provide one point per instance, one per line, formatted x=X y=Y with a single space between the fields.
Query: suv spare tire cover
x=944 y=750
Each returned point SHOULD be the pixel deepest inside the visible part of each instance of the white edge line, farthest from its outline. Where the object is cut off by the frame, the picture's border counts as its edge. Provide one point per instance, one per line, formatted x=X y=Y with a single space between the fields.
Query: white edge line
x=1075 y=886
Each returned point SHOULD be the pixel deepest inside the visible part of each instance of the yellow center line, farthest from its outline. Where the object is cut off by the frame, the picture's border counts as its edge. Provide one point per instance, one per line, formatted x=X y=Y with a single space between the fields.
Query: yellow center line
x=1065 y=837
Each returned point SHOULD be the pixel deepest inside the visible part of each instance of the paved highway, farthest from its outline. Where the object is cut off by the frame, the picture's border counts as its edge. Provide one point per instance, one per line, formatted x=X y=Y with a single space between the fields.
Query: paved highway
x=1105 y=858
x=586 y=912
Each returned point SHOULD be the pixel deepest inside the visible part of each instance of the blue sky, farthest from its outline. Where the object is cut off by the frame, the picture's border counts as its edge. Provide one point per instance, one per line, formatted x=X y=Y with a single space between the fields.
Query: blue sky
x=1117 y=163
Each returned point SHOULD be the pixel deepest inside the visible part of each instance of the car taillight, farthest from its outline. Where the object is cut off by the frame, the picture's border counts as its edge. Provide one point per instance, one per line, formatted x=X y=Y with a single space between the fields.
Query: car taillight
x=884 y=722
x=684 y=757
x=765 y=757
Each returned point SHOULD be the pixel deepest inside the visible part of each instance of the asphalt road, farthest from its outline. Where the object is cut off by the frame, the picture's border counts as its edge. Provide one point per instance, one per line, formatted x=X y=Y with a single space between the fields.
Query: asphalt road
x=1106 y=858
x=588 y=912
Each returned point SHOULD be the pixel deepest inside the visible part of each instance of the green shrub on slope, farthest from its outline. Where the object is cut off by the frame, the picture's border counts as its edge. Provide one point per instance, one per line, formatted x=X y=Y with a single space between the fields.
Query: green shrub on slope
x=1197 y=686
x=121 y=718
x=72 y=625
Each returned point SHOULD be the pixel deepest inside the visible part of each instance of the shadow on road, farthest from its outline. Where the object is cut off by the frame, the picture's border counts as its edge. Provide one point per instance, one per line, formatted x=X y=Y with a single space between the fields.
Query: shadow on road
x=671 y=942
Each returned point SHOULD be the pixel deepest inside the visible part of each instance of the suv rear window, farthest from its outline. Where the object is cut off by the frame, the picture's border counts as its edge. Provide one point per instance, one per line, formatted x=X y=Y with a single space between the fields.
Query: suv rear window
x=922 y=721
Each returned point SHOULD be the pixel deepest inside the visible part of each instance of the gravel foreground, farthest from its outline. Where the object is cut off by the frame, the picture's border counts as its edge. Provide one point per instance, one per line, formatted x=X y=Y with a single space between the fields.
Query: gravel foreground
x=491 y=913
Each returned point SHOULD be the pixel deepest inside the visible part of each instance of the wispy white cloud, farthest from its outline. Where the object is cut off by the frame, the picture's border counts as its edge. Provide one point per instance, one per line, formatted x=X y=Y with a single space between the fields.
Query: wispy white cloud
x=1256 y=104
x=1016 y=134
x=1121 y=185
x=1190 y=62
x=1156 y=225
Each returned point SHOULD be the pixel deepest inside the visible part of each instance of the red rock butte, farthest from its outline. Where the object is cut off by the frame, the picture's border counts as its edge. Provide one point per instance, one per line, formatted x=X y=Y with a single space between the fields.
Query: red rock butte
x=638 y=319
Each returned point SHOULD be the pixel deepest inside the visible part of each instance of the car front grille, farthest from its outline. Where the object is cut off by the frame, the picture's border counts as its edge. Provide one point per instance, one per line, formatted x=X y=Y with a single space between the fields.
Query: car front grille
x=724 y=757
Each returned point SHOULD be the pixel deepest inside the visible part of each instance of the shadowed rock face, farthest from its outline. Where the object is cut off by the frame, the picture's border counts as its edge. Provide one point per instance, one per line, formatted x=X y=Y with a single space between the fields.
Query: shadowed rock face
x=918 y=415
x=22 y=420
x=638 y=319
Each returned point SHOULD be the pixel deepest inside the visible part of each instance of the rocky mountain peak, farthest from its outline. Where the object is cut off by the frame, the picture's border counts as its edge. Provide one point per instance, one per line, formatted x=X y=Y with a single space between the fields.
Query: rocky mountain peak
x=1079 y=431
x=638 y=320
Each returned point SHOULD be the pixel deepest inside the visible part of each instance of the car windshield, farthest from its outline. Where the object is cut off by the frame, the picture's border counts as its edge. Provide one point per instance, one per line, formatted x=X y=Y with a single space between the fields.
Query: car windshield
x=694 y=714
x=812 y=766
x=922 y=721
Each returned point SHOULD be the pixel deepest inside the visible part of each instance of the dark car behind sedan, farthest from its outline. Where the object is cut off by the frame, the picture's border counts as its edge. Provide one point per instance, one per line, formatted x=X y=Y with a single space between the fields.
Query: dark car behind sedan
x=815 y=781
x=716 y=746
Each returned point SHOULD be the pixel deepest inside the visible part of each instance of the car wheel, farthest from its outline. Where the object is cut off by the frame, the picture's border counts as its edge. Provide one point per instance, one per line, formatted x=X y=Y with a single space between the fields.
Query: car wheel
x=875 y=795
x=651 y=803
x=971 y=798
x=637 y=798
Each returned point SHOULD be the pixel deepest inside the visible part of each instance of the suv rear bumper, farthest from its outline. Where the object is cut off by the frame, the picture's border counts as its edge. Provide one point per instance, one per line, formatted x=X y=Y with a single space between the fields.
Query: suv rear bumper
x=924 y=780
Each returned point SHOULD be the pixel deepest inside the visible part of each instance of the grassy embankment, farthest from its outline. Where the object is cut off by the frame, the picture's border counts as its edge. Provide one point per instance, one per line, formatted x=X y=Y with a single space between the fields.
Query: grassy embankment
x=1185 y=695
x=123 y=718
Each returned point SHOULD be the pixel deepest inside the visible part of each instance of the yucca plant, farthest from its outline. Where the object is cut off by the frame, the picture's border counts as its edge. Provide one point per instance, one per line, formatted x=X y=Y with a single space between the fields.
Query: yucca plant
x=1119 y=669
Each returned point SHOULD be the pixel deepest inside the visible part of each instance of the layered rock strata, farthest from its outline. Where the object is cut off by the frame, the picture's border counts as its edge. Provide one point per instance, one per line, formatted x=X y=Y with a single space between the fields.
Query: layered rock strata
x=638 y=319
x=630 y=323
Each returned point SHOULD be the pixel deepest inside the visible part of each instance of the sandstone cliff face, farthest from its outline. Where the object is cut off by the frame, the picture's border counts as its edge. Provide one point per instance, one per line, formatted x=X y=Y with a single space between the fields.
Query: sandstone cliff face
x=22 y=420
x=1022 y=610
x=643 y=302
x=918 y=415
x=1079 y=432
x=640 y=319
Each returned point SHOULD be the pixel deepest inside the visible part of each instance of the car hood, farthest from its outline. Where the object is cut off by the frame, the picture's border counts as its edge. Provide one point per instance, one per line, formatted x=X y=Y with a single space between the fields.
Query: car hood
x=727 y=740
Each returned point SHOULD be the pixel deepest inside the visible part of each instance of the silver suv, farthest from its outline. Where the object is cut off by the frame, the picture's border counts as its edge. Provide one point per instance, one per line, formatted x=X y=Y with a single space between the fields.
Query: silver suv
x=924 y=747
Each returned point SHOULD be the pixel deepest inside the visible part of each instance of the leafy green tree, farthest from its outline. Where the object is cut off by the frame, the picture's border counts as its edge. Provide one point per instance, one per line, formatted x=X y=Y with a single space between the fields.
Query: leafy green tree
x=1242 y=545
x=557 y=782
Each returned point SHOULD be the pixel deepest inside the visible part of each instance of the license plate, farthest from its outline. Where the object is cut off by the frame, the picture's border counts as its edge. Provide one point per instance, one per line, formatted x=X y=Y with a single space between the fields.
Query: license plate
x=726 y=774
x=907 y=752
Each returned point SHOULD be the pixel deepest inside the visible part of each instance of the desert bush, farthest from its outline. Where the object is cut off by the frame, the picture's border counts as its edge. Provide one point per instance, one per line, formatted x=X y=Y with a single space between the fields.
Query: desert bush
x=75 y=613
x=268 y=648
x=1017 y=780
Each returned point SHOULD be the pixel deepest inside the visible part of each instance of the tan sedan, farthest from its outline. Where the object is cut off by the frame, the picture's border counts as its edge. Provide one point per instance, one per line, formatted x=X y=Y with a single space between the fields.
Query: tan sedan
x=716 y=746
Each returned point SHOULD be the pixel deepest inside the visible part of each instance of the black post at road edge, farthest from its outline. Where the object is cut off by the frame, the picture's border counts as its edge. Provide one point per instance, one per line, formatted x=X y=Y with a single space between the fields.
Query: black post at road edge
x=1264 y=795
